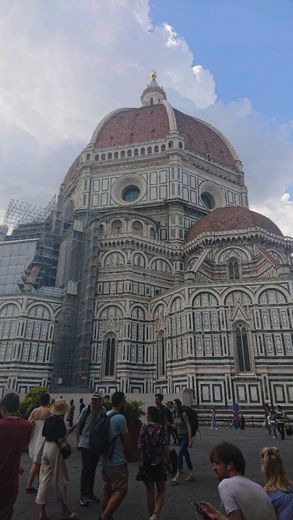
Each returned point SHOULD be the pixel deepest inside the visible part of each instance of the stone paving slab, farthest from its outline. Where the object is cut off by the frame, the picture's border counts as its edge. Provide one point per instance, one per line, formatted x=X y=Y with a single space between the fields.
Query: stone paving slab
x=178 y=498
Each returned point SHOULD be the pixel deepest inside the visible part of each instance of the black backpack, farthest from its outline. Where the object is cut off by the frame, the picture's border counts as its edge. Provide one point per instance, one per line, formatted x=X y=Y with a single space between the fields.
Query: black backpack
x=193 y=419
x=99 y=441
x=153 y=450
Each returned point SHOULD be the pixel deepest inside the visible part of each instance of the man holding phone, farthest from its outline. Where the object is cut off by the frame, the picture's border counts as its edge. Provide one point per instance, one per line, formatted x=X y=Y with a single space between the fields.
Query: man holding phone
x=242 y=498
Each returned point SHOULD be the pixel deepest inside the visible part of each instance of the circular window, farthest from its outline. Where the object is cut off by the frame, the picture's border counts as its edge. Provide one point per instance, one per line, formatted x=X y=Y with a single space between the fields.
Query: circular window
x=130 y=193
x=208 y=200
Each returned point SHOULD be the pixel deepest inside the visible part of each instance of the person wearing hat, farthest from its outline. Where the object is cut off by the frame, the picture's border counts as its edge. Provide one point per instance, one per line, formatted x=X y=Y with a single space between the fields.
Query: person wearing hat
x=53 y=464
x=86 y=423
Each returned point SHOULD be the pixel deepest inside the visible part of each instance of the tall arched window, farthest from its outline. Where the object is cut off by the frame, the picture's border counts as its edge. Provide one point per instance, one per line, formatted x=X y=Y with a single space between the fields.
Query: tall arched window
x=137 y=228
x=233 y=269
x=116 y=227
x=161 y=356
x=109 y=367
x=243 y=358
x=152 y=233
x=139 y=260
x=138 y=325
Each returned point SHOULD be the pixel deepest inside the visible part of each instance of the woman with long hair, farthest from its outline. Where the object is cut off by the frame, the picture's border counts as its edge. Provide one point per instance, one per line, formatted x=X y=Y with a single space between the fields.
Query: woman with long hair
x=278 y=486
x=183 y=430
x=152 y=470
x=53 y=465
x=36 y=445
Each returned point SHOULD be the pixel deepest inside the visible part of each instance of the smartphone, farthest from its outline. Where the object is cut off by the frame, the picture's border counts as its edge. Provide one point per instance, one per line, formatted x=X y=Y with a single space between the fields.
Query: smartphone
x=199 y=510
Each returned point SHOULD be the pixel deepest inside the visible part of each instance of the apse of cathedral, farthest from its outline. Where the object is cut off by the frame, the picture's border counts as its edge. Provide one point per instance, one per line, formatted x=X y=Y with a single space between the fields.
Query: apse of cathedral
x=157 y=276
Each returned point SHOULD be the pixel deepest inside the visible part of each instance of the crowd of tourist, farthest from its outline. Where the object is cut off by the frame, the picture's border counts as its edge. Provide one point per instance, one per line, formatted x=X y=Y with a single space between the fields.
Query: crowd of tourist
x=101 y=436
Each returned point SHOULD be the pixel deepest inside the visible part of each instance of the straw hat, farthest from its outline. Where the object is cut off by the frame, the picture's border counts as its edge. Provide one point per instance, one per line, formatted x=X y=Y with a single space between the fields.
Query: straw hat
x=59 y=407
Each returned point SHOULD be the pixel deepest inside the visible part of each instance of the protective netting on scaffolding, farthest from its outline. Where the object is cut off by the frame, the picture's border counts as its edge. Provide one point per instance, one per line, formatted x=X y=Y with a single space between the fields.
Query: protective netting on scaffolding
x=21 y=212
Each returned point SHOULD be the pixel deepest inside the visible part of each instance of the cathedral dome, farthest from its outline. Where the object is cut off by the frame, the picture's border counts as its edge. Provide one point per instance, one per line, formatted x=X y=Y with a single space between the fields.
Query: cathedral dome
x=231 y=219
x=157 y=120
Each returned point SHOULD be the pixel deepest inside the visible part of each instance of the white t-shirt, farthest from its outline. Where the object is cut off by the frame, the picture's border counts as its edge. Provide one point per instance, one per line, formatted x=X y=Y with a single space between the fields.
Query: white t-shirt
x=248 y=496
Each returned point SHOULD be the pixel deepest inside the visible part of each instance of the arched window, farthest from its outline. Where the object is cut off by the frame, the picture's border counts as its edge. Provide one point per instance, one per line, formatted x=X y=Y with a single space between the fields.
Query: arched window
x=122 y=153
x=116 y=227
x=39 y=311
x=142 y=151
x=138 y=314
x=115 y=258
x=242 y=349
x=150 y=149
x=163 y=147
x=152 y=233
x=156 y=149
x=109 y=155
x=159 y=311
x=97 y=157
x=235 y=297
x=138 y=328
x=176 y=305
x=161 y=357
x=116 y=155
x=137 y=228
x=139 y=260
x=233 y=269
x=111 y=312
x=9 y=310
x=101 y=229
x=161 y=265
x=110 y=350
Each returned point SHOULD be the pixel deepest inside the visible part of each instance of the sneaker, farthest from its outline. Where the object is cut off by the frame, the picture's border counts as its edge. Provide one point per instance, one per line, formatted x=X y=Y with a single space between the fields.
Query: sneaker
x=84 y=501
x=92 y=498
x=174 y=480
x=189 y=478
x=155 y=516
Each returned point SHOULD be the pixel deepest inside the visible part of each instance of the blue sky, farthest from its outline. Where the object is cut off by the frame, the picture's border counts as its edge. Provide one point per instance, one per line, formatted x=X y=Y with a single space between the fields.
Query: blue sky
x=246 y=44
x=65 y=64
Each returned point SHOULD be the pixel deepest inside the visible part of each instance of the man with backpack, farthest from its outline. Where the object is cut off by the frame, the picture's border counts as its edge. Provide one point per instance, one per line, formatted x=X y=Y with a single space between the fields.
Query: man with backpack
x=115 y=471
x=87 y=423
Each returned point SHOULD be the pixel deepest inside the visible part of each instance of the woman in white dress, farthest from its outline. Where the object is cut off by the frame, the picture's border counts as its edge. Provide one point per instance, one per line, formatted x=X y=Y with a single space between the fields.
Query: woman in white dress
x=36 y=445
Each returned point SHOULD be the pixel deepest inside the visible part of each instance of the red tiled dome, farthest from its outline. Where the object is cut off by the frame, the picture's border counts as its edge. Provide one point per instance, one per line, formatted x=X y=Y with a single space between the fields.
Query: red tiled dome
x=135 y=125
x=230 y=219
x=148 y=123
x=202 y=139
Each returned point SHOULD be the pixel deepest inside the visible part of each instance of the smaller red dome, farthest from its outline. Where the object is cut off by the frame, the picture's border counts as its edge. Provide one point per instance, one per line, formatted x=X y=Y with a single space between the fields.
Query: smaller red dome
x=231 y=219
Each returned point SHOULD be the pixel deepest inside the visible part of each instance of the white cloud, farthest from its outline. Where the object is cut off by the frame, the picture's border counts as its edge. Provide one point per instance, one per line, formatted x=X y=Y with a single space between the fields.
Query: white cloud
x=279 y=210
x=65 y=64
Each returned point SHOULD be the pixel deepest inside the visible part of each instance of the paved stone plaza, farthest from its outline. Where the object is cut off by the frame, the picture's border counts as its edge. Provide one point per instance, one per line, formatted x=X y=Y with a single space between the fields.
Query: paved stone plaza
x=178 y=500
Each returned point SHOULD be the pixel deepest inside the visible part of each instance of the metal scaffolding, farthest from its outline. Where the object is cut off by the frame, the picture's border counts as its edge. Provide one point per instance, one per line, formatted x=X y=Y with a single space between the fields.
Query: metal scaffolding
x=20 y=212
